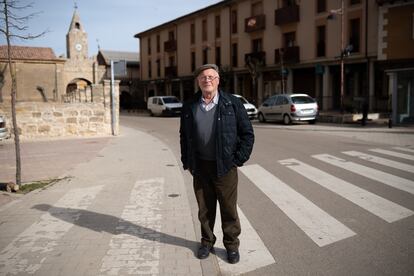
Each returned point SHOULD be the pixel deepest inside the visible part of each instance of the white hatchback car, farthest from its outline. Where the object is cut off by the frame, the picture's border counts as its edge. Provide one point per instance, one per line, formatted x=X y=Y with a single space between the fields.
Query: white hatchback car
x=250 y=108
x=289 y=108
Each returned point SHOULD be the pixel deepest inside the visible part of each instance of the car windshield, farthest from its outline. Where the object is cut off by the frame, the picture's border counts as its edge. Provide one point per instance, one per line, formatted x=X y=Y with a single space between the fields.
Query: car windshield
x=170 y=100
x=243 y=100
x=302 y=100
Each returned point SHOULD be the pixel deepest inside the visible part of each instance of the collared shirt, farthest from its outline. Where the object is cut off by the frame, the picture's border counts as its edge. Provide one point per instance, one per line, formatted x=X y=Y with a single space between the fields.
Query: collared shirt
x=211 y=104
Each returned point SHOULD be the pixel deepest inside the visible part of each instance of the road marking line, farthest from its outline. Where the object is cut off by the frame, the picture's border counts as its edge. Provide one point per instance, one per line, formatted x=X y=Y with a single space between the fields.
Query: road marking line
x=381 y=207
x=136 y=250
x=322 y=228
x=385 y=178
x=393 y=153
x=381 y=161
x=253 y=253
x=27 y=252
x=404 y=149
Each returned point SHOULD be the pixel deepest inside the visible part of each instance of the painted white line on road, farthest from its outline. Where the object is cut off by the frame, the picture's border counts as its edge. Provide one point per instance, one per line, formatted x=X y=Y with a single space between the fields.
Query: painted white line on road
x=136 y=249
x=381 y=161
x=404 y=149
x=393 y=153
x=377 y=175
x=381 y=207
x=28 y=251
x=322 y=228
x=253 y=252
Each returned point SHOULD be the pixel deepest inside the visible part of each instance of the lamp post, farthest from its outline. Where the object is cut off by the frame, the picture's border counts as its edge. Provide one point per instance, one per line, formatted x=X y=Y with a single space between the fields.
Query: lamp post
x=340 y=11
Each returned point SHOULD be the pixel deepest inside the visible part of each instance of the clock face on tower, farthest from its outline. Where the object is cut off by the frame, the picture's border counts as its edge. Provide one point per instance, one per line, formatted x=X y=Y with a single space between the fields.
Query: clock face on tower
x=78 y=46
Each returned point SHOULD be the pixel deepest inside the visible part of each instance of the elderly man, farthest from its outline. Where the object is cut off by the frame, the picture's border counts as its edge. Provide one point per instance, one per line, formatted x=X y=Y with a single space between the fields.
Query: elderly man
x=216 y=137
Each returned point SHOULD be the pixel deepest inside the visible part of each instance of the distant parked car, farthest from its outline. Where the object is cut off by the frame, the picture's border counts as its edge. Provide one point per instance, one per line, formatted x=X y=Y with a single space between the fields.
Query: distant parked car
x=250 y=108
x=288 y=108
x=3 y=130
x=164 y=105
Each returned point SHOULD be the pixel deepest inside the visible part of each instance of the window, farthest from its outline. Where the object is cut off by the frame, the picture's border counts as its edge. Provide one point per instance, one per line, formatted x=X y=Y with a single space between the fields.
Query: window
x=234 y=54
x=205 y=59
x=158 y=43
x=192 y=33
x=218 y=56
x=193 y=61
x=354 y=36
x=204 y=29
x=320 y=46
x=158 y=67
x=217 y=26
x=257 y=8
x=289 y=39
x=149 y=46
x=321 y=6
x=288 y=3
x=171 y=35
x=234 y=21
x=257 y=45
x=171 y=61
x=149 y=69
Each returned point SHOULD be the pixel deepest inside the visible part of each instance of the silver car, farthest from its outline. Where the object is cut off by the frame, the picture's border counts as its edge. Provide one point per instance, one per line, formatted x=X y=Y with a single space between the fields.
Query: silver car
x=288 y=108
x=250 y=108
x=3 y=130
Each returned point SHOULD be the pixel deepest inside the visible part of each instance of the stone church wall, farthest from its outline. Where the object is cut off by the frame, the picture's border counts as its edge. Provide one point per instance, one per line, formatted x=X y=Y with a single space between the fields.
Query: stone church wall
x=56 y=119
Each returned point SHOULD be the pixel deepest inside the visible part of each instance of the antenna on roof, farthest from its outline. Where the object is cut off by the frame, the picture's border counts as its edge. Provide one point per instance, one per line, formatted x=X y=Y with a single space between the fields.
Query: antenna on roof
x=97 y=42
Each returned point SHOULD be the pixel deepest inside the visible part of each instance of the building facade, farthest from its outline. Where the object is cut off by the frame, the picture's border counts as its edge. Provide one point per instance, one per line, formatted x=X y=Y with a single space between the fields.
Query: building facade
x=267 y=47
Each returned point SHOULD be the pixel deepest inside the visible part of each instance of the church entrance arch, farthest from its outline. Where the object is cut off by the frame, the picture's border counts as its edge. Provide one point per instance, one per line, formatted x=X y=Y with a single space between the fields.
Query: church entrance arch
x=78 y=90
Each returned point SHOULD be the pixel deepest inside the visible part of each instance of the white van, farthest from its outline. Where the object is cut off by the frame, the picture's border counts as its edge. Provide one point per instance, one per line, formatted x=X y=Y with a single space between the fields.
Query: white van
x=164 y=106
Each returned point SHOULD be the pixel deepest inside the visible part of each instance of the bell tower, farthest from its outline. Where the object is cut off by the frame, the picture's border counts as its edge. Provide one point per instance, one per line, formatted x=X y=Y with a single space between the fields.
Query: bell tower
x=76 y=39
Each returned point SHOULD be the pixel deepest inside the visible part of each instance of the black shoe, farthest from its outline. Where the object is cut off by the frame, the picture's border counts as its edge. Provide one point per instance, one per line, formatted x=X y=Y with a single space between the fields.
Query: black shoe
x=233 y=256
x=203 y=252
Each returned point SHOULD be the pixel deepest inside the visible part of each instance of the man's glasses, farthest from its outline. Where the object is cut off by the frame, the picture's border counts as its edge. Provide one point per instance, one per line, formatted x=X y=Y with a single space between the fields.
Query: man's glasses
x=207 y=78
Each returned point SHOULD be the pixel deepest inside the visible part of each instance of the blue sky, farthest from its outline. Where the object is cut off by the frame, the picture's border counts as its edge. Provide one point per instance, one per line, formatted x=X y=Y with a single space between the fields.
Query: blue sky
x=112 y=22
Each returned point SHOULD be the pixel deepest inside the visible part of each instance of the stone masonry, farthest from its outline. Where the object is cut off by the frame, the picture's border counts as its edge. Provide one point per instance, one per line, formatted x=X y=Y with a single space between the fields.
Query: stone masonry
x=55 y=119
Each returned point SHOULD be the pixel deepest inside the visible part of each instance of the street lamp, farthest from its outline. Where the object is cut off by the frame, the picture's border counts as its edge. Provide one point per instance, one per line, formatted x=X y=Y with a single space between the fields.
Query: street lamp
x=341 y=13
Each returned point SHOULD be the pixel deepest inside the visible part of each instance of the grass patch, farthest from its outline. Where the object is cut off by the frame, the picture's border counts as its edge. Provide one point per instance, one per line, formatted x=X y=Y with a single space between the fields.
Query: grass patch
x=35 y=185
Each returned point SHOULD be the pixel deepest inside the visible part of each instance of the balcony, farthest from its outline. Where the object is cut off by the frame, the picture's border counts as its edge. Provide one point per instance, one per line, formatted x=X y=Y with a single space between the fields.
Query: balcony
x=170 y=71
x=255 y=57
x=170 y=45
x=287 y=15
x=255 y=23
x=290 y=55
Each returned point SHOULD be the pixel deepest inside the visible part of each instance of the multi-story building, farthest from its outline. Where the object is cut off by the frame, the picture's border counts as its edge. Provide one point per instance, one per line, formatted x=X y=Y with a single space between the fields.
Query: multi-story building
x=266 y=47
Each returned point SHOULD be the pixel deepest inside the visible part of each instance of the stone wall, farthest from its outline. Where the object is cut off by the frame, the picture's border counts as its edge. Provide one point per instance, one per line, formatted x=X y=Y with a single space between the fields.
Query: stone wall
x=55 y=119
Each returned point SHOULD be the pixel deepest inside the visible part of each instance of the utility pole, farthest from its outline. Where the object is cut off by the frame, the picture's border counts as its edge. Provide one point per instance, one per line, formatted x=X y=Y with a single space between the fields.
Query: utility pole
x=342 y=55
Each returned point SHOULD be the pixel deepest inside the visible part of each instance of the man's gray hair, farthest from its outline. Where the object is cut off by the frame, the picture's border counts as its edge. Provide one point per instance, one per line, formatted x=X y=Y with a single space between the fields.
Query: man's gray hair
x=205 y=67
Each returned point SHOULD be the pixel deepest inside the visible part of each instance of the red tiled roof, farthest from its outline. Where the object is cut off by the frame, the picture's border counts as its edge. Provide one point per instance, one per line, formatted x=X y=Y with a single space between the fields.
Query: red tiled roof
x=31 y=53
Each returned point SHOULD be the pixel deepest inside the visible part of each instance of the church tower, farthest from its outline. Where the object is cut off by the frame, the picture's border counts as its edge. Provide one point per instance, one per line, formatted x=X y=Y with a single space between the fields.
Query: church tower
x=76 y=40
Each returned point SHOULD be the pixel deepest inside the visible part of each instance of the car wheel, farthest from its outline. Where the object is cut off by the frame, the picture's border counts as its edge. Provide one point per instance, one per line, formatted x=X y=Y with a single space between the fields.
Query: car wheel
x=261 y=118
x=312 y=122
x=287 y=120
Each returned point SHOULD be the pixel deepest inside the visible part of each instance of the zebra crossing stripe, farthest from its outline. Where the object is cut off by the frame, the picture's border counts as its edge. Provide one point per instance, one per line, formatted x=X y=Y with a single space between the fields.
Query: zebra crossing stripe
x=318 y=225
x=28 y=251
x=136 y=250
x=253 y=252
x=393 y=153
x=382 y=177
x=381 y=161
x=381 y=207
x=404 y=149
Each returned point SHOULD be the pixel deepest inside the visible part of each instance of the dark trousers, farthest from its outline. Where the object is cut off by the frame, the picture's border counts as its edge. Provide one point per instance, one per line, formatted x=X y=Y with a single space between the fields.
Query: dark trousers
x=208 y=190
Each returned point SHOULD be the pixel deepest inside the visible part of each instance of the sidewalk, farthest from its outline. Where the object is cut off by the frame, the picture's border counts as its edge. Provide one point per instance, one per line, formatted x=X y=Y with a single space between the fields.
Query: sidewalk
x=125 y=211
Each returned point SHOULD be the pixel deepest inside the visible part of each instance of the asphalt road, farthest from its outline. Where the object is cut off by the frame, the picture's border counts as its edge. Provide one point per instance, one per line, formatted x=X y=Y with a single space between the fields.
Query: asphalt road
x=350 y=219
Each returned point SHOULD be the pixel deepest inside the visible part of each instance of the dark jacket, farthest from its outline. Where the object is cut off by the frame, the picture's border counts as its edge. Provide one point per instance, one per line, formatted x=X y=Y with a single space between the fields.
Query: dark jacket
x=234 y=133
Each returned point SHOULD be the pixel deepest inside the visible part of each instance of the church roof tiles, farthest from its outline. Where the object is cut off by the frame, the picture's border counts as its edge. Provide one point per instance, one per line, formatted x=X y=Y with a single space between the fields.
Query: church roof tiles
x=28 y=53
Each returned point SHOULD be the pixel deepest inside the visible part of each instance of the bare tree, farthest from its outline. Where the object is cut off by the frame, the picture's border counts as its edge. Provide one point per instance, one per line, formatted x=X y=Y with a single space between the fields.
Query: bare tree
x=14 y=25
